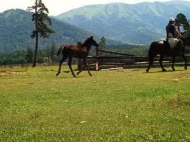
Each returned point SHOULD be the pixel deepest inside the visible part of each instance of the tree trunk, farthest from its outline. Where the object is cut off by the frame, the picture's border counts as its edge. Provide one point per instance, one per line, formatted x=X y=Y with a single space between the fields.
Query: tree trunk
x=35 y=52
x=36 y=46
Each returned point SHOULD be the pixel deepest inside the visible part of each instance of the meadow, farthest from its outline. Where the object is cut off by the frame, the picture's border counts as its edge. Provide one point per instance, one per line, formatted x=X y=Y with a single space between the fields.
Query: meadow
x=126 y=105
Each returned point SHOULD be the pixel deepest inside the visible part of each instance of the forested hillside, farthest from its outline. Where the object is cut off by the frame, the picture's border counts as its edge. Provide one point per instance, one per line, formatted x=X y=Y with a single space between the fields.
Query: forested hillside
x=16 y=44
x=16 y=27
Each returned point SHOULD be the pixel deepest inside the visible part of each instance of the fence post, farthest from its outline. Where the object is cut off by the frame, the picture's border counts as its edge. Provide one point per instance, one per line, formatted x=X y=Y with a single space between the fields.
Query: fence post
x=97 y=64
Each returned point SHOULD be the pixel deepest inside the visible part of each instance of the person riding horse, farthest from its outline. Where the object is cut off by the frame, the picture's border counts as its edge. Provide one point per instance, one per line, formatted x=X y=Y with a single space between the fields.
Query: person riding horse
x=172 y=34
x=172 y=46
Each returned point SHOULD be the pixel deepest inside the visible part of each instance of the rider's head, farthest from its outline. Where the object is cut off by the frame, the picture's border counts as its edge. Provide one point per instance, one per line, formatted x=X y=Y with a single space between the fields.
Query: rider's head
x=171 y=20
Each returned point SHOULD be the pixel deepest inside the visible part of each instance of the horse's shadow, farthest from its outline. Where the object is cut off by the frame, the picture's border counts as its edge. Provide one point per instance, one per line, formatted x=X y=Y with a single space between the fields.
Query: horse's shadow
x=179 y=70
x=68 y=76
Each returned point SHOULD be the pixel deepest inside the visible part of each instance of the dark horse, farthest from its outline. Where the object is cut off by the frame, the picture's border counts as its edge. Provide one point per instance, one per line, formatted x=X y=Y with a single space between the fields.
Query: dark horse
x=162 y=48
x=80 y=50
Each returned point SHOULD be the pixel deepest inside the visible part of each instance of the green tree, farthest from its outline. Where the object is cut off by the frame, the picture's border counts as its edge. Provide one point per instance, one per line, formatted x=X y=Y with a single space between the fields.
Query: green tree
x=41 y=19
x=102 y=43
x=181 y=20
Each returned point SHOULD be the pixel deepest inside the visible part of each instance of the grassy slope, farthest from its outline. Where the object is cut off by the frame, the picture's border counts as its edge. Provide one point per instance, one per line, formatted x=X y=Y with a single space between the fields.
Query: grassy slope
x=128 y=105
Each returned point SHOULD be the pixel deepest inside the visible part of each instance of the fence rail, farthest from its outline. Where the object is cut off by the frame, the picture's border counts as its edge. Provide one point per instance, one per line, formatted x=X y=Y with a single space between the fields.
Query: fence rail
x=124 y=60
x=103 y=62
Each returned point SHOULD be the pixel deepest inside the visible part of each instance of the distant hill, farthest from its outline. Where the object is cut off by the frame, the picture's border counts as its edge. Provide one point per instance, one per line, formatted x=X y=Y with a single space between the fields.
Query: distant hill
x=16 y=27
x=130 y=23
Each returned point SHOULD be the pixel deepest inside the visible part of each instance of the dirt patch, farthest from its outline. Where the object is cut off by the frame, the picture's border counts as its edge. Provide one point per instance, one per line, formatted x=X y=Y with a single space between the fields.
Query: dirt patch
x=11 y=72
x=182 y=75
x=180 y=100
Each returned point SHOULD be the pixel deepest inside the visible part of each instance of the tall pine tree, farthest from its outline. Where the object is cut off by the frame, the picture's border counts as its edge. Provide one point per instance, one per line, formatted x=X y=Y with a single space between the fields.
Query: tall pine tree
x=41 y=19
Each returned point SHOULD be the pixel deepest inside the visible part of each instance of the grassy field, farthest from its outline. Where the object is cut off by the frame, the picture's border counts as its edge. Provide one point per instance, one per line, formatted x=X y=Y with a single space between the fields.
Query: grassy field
x=128 y=105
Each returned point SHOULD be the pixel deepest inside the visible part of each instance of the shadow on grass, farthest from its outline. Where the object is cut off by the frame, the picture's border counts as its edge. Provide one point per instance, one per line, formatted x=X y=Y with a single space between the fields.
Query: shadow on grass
x=164 y=71
x=67 y=74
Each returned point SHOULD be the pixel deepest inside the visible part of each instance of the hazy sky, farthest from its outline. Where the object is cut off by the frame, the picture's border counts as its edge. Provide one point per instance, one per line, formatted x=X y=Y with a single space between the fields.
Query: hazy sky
x=56 y=7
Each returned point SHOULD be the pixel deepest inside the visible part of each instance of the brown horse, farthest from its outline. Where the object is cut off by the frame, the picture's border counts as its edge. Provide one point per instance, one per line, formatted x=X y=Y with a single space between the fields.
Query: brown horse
x=162 y=48
x=80 y=51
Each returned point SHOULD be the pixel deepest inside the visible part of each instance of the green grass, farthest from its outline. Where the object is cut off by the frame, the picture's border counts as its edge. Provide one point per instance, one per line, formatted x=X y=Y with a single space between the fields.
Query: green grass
x=116 y=106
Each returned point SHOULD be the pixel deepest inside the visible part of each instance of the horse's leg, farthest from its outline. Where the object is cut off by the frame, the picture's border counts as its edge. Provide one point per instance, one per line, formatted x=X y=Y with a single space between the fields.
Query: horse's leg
x=79 y=67
x=185 y=59
x=60 y=63
x=70 y=67
x=151 y=60
x=150 y=63
x=173 y=61
x=160 y=61
x=85 y=64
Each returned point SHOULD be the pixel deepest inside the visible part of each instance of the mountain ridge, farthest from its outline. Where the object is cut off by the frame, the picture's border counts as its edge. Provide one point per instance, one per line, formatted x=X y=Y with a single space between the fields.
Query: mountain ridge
x=122 y=23
x=130 y=23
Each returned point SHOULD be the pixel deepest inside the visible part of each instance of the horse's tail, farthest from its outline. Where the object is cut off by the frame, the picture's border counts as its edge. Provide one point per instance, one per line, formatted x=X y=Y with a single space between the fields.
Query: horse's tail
x=60 y=50
x=151 y=52
x=150 y=49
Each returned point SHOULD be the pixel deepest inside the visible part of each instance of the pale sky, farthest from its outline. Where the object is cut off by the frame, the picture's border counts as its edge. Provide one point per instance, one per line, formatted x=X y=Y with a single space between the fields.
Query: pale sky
x=57 y=7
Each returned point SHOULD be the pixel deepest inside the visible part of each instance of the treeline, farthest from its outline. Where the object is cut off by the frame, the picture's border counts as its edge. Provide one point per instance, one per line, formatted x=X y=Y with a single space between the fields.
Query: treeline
x=137 y=50
x=23 y=57
x=48 y=55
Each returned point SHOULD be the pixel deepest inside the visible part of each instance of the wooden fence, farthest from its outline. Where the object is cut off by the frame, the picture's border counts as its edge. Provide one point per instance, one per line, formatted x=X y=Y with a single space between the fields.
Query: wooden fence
x=123 y=60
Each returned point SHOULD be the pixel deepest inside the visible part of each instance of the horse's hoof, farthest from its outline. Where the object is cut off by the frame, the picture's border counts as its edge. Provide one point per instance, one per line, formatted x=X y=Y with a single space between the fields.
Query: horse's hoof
x=147 y=70
x=185 y=68
x=57 y=74
x=164 y=70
